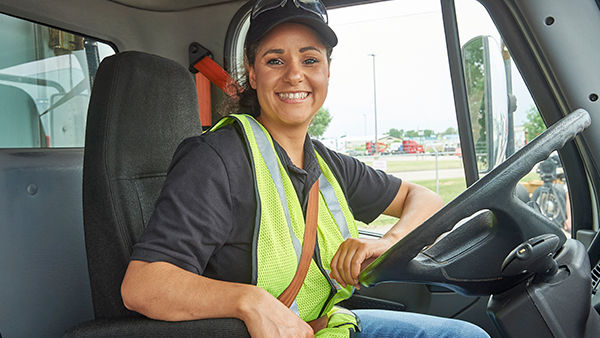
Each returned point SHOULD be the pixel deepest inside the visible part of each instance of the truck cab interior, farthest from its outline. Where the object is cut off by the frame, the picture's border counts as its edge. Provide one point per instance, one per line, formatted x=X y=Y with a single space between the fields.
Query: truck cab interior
x=96 y=95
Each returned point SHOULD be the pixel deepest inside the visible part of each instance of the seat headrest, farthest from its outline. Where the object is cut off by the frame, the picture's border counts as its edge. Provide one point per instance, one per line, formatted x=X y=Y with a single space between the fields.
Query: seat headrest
x=149 y=105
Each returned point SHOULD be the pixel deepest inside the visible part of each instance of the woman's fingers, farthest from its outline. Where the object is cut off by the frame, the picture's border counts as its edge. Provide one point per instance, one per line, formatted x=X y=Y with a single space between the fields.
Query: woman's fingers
x=353 y=254
x=355 y=267
x=346 y=263
x=335 y=273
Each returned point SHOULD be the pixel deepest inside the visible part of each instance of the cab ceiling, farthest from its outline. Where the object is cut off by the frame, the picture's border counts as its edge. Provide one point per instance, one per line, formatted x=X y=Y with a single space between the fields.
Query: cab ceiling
x=162 y=27
x=181 y=5
x=168 y=5
x=167 y=33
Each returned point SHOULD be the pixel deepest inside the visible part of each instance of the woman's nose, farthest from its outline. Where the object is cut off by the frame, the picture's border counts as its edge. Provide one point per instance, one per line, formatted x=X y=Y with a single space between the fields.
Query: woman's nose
x=294 y=74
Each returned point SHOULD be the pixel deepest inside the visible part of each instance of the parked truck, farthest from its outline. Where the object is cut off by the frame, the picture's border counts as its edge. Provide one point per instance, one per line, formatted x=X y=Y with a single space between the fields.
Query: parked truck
x=380 y=148
x=412 y=147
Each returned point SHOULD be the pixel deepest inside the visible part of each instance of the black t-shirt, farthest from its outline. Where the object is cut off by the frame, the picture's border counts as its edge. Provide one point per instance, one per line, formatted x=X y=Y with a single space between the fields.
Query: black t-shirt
x=204 y=218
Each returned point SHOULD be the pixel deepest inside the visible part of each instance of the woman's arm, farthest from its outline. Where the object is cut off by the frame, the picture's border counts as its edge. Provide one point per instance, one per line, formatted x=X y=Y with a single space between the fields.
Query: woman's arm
x=413 y=204
x=163 y=291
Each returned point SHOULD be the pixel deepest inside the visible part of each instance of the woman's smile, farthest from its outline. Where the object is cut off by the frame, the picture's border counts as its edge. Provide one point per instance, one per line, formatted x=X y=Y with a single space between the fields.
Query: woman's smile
x=293 y=97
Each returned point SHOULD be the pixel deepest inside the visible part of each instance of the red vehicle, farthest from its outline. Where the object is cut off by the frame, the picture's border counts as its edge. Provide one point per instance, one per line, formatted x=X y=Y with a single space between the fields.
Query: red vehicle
x=412 y=147
x=379 y=149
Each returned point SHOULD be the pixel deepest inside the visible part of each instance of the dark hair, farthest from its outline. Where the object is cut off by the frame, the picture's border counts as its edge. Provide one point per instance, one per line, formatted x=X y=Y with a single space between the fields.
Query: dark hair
x=248 y=98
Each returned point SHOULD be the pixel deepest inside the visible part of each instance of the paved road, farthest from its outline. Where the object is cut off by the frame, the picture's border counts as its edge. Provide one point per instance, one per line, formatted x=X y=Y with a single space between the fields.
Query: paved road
x=430 y=174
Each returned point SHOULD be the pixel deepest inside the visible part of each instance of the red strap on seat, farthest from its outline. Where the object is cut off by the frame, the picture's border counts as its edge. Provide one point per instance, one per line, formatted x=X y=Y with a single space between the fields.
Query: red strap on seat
x=204 y=106
x=218 y=76
x=207 y=70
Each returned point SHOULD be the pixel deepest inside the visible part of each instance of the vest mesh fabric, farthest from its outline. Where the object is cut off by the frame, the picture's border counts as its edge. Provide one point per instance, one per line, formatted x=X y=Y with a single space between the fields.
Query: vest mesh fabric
x=276 y=258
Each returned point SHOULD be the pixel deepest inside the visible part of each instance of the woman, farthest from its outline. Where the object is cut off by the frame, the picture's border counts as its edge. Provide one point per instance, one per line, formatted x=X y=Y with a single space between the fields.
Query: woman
x=226 y=235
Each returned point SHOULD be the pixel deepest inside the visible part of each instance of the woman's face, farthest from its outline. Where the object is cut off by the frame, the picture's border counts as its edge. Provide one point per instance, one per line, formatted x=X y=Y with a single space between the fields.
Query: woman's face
x=290 y=75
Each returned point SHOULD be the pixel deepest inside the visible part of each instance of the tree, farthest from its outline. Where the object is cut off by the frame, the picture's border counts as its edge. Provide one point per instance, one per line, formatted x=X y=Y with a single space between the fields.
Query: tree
x=319 y=123
x=534 y=125
x=449 y=131
x=411 y=133
x=396 y=133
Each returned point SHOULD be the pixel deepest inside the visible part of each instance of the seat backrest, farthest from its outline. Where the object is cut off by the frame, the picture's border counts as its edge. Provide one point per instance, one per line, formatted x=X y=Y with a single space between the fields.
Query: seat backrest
x=141 y=107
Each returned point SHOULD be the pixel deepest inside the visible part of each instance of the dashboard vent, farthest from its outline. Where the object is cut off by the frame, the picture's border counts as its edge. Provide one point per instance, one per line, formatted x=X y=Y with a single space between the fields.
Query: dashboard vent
x=595 y=278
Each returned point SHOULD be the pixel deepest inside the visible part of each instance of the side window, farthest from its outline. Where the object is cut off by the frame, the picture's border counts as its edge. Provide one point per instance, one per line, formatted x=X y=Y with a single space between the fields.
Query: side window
x=45 y=84
x=504 y=117
x=390 y=96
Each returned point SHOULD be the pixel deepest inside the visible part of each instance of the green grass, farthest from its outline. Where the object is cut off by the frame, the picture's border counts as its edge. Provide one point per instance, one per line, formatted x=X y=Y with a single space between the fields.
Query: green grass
x=398 y=166
x=382 y=220
x=449 y=189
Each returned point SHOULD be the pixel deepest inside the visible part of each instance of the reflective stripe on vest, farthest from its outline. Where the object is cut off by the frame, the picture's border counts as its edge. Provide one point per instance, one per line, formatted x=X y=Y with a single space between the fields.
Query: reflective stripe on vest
x=277 y=257
x=268 y=153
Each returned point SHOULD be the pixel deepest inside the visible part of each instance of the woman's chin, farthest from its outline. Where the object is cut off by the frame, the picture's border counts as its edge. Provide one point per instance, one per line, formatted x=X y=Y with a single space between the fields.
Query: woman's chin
x=294 y=117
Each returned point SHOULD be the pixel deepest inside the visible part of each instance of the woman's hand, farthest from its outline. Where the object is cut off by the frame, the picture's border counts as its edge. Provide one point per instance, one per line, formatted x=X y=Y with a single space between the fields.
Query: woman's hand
x=354 y=255
x=412 y=204
x=265 y=316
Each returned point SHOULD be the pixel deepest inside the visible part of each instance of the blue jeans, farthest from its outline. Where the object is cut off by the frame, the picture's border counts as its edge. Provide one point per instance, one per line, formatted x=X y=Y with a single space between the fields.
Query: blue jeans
x=382 y=323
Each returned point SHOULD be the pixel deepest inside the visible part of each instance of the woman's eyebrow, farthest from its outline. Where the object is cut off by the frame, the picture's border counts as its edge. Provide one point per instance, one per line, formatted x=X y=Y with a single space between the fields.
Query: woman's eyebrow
x=305 y=49
x=274 y=51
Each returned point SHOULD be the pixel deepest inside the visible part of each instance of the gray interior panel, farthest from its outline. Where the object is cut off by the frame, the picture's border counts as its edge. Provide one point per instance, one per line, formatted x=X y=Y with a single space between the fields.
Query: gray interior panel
x=44 y=284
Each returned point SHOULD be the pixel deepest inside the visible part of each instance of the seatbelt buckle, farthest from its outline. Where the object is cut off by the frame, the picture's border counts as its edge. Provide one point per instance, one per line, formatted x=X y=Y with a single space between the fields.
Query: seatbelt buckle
x=197 y=52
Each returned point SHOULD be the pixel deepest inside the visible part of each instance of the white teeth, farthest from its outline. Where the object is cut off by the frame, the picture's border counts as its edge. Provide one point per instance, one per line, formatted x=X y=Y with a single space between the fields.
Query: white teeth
x=293 y=96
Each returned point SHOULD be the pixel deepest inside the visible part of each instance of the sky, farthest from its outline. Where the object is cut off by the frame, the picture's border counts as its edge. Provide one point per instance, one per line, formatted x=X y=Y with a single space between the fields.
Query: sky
x=413 y=88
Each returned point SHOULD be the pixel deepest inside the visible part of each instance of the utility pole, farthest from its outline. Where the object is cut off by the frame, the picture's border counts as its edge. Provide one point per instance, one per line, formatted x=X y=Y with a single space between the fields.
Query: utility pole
x=374 y=100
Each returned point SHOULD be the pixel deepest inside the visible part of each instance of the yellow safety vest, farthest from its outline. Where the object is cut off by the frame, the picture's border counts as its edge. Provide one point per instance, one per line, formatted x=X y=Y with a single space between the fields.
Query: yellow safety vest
x=277 y=248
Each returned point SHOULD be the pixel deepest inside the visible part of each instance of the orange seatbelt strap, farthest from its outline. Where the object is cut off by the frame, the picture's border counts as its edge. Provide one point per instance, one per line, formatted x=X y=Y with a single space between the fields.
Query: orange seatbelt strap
x=288 y=295
x=201 y=61
x=218 y=76
x=204 y=106
x=206 y=69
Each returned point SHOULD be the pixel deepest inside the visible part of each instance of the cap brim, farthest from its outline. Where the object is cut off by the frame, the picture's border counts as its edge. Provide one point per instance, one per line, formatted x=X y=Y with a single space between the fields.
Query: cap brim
x=259 y=28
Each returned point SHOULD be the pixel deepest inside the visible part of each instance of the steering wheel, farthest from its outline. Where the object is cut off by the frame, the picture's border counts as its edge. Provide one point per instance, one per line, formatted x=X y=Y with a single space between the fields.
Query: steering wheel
x=509 y=220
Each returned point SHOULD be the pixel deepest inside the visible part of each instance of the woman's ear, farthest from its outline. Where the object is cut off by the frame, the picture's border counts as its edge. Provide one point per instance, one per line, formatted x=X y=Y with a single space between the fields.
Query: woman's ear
x=251 y=76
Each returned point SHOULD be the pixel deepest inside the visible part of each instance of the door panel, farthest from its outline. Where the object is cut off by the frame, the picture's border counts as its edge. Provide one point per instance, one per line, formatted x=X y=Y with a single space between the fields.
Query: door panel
x=44 y=283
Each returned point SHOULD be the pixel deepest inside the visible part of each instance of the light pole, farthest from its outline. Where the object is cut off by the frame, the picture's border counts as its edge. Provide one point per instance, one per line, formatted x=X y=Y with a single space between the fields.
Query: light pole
x=374 y=100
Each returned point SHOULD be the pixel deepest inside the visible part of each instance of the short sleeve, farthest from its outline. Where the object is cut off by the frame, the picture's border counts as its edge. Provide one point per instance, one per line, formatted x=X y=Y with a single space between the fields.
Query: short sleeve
x=368 y=191
x=193 y=216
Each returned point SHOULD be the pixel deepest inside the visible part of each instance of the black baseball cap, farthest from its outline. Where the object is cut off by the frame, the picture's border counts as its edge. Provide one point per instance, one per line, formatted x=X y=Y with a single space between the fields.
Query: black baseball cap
x=291 y=11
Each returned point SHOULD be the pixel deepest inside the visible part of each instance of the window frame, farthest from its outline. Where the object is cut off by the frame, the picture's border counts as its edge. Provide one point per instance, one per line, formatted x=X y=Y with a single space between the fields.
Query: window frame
x=110 y=44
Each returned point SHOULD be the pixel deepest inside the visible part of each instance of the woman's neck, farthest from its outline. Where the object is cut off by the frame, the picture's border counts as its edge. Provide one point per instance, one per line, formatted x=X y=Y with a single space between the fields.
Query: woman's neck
x=290 y=139
x=293 y=147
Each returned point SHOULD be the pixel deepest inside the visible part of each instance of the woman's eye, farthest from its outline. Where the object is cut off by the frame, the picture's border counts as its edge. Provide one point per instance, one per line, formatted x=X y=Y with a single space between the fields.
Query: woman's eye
x=310 y=61
x=274 y=62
